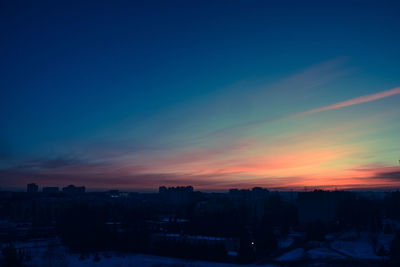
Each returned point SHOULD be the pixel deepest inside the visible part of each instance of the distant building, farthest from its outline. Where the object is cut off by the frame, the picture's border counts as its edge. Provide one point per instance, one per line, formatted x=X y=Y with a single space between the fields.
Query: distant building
x=257 y=193
x=180 y=195
x=32 y=188
x=319 y=205
x=114 y=193
x=254 y=199
x=72 y=189
x=50 y=189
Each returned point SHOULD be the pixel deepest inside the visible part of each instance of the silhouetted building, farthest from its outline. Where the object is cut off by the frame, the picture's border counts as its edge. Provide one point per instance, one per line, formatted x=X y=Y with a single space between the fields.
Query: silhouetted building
x=319 y=205
x=254 y=199
x=32 y=188
x=179 y=195
x=257 y=193
x=162 y=190
x=114 y=193
x=71 y=189
x=50 y=189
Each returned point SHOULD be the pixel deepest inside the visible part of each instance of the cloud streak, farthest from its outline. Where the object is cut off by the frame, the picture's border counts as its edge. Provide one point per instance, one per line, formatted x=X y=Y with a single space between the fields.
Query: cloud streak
x=338 y=105
x=354 y=101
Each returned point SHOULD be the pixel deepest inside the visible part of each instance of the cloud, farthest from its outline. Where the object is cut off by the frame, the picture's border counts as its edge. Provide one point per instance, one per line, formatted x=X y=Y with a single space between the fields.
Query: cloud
x=376 y=176
x=51 y=163
x=230 y=109
x=130 y=177
x=354 y=101
x=338 y=105
x=393 y=176
x=388 y=174
x=347 y=103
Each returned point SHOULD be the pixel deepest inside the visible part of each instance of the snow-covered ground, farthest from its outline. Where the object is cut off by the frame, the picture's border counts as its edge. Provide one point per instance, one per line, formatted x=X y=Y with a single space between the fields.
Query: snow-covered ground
x=313 y=254
x=361 y=248
x=293 y=255
x=285 y=242
x=323 y=254
x=341 y=246
x=144 y=260
x=59 y=256
x=335 y=247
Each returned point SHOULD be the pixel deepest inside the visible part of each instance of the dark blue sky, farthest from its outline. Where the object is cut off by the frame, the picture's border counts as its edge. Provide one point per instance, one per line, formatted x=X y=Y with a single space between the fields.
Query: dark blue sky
x=75 y=73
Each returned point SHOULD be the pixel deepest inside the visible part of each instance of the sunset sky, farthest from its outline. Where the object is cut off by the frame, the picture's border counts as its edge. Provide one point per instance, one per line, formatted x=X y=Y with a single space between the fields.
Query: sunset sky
x=214 y=94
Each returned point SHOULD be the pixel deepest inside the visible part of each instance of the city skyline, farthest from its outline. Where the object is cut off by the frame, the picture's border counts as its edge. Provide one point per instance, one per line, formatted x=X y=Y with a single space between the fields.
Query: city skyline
x=134 y=96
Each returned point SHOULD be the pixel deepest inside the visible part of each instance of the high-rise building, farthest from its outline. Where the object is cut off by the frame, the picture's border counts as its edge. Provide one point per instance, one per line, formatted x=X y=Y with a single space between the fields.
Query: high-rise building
x=71 y=189
x=180 y=195
x=32 y=188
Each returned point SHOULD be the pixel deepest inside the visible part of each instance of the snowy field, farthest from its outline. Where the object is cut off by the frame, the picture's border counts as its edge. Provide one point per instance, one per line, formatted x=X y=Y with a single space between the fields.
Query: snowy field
x=336 y=247
x=59 y=257
x=146 y=260
x=339 y=247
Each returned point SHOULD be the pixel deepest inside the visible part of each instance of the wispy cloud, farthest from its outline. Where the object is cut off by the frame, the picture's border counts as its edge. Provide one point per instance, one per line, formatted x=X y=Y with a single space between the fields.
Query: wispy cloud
x=51 y=163
x=346 y=103
x=354 y=101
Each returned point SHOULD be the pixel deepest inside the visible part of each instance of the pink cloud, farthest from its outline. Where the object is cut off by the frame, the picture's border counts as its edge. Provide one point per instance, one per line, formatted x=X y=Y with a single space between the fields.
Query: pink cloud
x=354 y=101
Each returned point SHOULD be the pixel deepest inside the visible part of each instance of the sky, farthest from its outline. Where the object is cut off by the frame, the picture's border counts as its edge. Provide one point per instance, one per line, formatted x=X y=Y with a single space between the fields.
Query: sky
x=133 y=95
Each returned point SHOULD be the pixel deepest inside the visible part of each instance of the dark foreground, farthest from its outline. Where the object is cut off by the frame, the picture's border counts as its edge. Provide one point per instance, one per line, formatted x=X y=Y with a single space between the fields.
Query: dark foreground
x=181 y=227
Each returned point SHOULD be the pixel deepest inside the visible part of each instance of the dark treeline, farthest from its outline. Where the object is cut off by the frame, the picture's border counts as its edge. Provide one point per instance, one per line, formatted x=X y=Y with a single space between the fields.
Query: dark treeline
x=242 y=226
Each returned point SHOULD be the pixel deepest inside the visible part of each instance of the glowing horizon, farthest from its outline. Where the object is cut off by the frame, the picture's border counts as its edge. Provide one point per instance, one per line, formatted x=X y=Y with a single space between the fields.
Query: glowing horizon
x=323 y=158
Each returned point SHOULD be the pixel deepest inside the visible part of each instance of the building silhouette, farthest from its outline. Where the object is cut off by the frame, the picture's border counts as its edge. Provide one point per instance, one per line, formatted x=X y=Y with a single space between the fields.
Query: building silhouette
x=72 y=189
x=32 y=188
x=180 y=195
